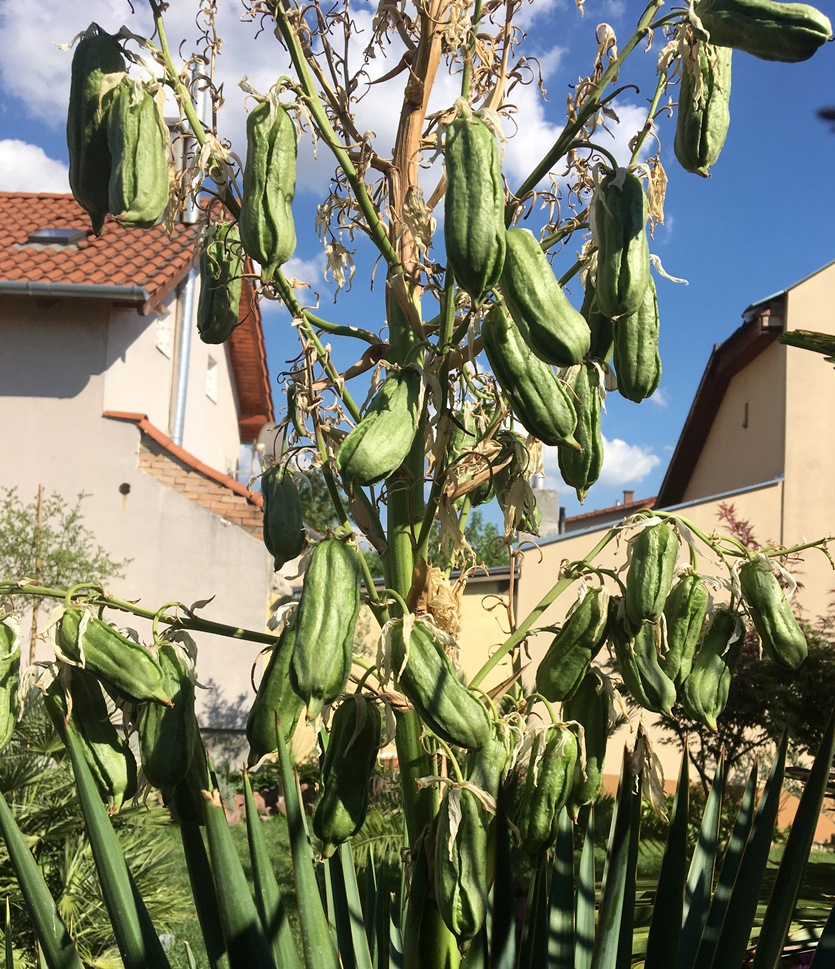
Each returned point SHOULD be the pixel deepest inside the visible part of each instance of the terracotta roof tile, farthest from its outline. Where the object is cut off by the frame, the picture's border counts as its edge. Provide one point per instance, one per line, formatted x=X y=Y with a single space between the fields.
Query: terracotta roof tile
x=149 y=258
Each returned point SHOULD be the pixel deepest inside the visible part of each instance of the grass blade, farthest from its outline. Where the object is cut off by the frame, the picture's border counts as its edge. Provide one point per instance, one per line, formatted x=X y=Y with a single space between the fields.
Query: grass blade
x=55 y=942
x=668 y=911
x=203 y=892
x=138 y=943
x=742 y=905
x=560 y=953
x=268 y=901
x=697 y=893
x=7 y=938
x=246 y=944
x=778 y=915
x=586 y=896
x=319 y=948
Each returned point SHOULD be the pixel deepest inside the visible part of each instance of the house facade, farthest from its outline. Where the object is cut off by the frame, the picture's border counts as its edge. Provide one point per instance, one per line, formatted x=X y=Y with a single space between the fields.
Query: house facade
x=106 y=389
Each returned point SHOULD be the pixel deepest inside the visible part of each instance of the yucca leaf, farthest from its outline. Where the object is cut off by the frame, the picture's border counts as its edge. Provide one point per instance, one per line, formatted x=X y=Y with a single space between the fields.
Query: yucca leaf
x=138 y=942
x=697 y=892
x=395 y=955
x=778 y=915
x=824 y=957
x=627 y=920
x=362 y=955
x=246 y=944
x=742 y=905
x=533 y=951
x=203 y=892
x=616 y=872
x=7 y=938
x=370 y=909
x=586 y=896
x=268 y=901
x=727 y=875
x=561 y=899
x=319 y=947
x=503 y=928
x=668 y=910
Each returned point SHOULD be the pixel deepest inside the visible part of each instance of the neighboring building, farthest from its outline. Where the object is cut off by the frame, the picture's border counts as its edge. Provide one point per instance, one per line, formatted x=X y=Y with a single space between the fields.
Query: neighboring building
x=105 y=388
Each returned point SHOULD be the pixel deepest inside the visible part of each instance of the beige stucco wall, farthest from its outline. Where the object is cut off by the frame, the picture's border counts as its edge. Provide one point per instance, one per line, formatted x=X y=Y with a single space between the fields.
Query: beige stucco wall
x=745 y=444
x=810 y=417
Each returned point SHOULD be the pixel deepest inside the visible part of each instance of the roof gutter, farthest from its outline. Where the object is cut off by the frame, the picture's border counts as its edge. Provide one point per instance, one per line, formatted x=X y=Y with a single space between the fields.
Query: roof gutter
x=120 y=294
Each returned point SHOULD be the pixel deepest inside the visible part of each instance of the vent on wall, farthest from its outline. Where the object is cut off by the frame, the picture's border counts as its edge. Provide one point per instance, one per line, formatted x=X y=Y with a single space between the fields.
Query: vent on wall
x=56 y=236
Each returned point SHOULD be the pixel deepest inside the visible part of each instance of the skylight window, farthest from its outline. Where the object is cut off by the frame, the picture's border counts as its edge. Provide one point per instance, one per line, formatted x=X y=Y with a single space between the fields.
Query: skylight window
x=56 y=236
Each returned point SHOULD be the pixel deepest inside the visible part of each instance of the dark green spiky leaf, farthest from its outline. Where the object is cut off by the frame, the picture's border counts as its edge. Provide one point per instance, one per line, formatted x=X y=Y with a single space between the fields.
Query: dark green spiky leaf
x=561 y=899
x=503 y=929
x=586 y=895
x=203 y=893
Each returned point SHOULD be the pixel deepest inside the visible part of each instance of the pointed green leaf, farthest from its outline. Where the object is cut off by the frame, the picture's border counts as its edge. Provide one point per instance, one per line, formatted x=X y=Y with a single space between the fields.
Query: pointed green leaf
x=561 y=899
x=138 y=943
x=586 y=896
x=778 y=915
x=824 y=957
x=533 y=950
x=246 y=944
x=267 y=893
x=742 y=906
x=668 y=909
x=503 y=929
x=7 y=938
x=362 y=955
x=627 y=921
x=317 y=941
x=616 y=873
x=203 y=893
x=727 y=876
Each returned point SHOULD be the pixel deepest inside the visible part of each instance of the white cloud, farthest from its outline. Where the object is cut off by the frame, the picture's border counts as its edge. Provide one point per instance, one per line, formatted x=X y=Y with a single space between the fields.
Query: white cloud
x=27 y=168
x=661 y=398
x=625 y=464
x=310 y=271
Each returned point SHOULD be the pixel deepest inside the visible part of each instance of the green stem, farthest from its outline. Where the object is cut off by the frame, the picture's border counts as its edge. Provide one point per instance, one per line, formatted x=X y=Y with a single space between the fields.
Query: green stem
x=653 y=108
x=189 y=622
x=376 y=229
x=560 y=234
x=592 y=104
x=518 y=635
x=466 y=74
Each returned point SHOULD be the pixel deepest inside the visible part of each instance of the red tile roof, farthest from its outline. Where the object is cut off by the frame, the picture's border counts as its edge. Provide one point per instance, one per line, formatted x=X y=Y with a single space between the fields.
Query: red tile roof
x=587 y=518
x=146 y=258
x=182 y=472
x=145 y=263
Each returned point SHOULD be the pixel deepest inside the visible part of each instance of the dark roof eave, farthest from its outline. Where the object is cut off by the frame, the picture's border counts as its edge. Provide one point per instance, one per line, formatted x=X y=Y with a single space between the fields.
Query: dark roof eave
x=137 y=295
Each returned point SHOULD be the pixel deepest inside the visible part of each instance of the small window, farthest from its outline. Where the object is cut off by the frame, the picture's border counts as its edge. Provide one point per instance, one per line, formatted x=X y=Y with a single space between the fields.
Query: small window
x=211 y=379
x=165 y=333
x=57 y=236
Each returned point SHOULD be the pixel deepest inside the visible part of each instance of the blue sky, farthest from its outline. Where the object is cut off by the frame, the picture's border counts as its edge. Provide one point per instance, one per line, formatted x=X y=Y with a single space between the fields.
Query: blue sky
x=764 y=220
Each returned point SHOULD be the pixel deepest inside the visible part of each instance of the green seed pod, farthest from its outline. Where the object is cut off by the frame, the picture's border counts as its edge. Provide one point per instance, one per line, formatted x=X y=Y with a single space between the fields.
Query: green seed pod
x=703 y=114
x=589 y=706
x=9 y=677
x=618 y=218
x=268 y=232
x=137 y=138
x=636 y=358
x=788 y=32
x=326 y=621
x=186 y=799
x=653 y=554
x=464 y=438
x=684 y=613
x=638 y=663
x=379 y=444
x=783 y=640
x=283 y=531
x=486 y=769
x=349 y=760
x=580 y=469
x=276 y=699
x=549 y=324
x=474 y=231
x=539 y=399
x=220 y=266
x=83 y=640
x=168 y=735
x=461 y=852
x=544 y=775
x=705 y=691
x=569 y=656
x=600 y=326
x=104 y=748
x=96 y=66
x=426 y=676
